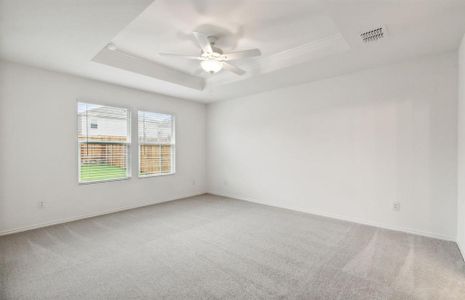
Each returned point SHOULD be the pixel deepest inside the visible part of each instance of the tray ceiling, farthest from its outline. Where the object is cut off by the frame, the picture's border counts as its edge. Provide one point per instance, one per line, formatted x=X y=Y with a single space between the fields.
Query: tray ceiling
x=300 y=40
x=286 y=34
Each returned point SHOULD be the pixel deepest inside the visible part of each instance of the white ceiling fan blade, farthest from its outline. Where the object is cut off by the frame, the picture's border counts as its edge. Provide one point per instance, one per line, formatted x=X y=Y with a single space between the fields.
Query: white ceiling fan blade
x=242 y=54
x=180 y=55
x=198 y=72
x=203 y=41
x=232 y=68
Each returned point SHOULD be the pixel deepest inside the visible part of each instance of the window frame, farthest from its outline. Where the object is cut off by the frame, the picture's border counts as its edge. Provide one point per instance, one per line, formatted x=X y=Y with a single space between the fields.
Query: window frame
x=128 y=143
x=173 y=152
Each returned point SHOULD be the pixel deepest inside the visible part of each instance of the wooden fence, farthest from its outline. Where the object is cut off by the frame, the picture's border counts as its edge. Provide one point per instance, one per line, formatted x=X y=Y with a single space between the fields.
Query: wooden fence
x=154 y=159
x=104 y=154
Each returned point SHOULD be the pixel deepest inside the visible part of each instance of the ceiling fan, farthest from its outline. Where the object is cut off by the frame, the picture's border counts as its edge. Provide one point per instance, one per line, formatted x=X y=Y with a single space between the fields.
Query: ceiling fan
x=213 y=59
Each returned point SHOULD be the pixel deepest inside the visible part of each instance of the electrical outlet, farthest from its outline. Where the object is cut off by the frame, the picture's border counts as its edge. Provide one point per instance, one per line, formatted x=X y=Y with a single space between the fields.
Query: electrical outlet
x=42 y=204
x=193 y=182
x=396 y=206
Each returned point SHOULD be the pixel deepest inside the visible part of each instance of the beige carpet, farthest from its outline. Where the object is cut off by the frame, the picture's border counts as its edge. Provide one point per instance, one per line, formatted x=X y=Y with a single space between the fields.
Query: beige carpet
x=210 y=247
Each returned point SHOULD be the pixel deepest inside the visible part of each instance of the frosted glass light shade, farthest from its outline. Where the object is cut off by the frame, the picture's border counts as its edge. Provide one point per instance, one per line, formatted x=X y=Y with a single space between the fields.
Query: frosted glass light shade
x=211 y=65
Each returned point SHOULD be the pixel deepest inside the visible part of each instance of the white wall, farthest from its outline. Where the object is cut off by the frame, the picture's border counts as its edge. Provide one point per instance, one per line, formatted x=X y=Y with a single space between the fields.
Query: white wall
x=347 y=147
x=461 y=151
x=38 y=151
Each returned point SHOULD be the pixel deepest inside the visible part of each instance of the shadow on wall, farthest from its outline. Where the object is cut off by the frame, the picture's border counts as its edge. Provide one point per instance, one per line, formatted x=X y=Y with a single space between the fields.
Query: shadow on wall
x=347 y=147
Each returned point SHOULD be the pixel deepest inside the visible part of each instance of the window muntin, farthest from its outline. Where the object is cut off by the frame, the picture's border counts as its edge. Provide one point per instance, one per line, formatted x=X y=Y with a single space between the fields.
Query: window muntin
x=103 y=149
x=156 y=144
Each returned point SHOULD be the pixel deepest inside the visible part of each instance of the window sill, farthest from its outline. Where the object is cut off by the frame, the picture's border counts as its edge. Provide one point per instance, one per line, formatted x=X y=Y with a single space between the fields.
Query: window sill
x=101 y=181
x=156 y=175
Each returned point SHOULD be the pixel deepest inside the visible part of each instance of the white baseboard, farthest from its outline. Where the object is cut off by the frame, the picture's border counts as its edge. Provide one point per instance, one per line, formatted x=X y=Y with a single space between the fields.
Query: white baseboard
x=319 y=213
x=350 y=219
x=462 y=250
x=81 y=217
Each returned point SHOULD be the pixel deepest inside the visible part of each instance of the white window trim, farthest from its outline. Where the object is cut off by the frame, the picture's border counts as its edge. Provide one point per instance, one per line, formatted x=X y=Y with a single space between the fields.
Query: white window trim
x=78 y=144
x=173 y=152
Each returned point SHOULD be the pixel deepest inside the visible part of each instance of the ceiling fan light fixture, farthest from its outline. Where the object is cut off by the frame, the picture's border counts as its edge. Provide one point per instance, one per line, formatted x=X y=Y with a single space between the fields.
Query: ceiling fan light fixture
x=213 y=59
x=211 y=65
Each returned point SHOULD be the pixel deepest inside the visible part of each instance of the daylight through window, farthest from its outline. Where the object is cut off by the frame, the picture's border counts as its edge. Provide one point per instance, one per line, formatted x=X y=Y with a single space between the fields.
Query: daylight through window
x=103 y=136
x=156 y=144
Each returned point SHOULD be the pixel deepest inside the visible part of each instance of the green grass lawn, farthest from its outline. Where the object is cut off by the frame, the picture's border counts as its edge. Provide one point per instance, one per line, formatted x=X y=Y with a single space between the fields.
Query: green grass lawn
x=101 y=172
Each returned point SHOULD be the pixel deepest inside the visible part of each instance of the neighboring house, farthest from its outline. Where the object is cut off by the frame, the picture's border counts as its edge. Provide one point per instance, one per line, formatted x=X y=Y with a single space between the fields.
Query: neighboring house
x=103 y=133
x=102 y=124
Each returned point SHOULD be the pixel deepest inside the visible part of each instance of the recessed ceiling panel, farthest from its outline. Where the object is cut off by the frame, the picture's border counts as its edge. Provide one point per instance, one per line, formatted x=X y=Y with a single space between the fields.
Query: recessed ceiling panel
x=301 y=40
x=140 y=65
x=286 y=34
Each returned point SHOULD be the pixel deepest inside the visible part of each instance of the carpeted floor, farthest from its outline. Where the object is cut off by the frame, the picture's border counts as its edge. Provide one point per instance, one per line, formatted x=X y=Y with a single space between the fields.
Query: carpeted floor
x=210 y=247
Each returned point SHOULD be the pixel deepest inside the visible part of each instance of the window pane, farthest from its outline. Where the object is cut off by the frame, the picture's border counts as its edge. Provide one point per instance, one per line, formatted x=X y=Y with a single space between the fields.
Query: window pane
x=103 y=161
x=103 y=134
x=102 y=123
x=156 y=143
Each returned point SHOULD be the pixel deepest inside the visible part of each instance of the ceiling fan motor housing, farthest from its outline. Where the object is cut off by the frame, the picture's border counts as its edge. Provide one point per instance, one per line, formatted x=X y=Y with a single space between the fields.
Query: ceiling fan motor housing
x=217 y=50
x=212 y=59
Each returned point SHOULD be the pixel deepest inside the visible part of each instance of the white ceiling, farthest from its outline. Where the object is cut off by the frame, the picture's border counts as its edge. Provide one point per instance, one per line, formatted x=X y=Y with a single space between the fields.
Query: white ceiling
x=301 y=40
x=167 y=26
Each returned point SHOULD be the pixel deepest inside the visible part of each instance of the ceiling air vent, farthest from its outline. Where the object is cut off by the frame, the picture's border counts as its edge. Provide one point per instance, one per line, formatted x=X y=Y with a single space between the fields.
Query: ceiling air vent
x=374 y=34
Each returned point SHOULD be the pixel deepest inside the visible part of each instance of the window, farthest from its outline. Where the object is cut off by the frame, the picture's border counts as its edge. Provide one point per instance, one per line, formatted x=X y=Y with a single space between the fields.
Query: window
x=156 y=144
x=103 y=149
